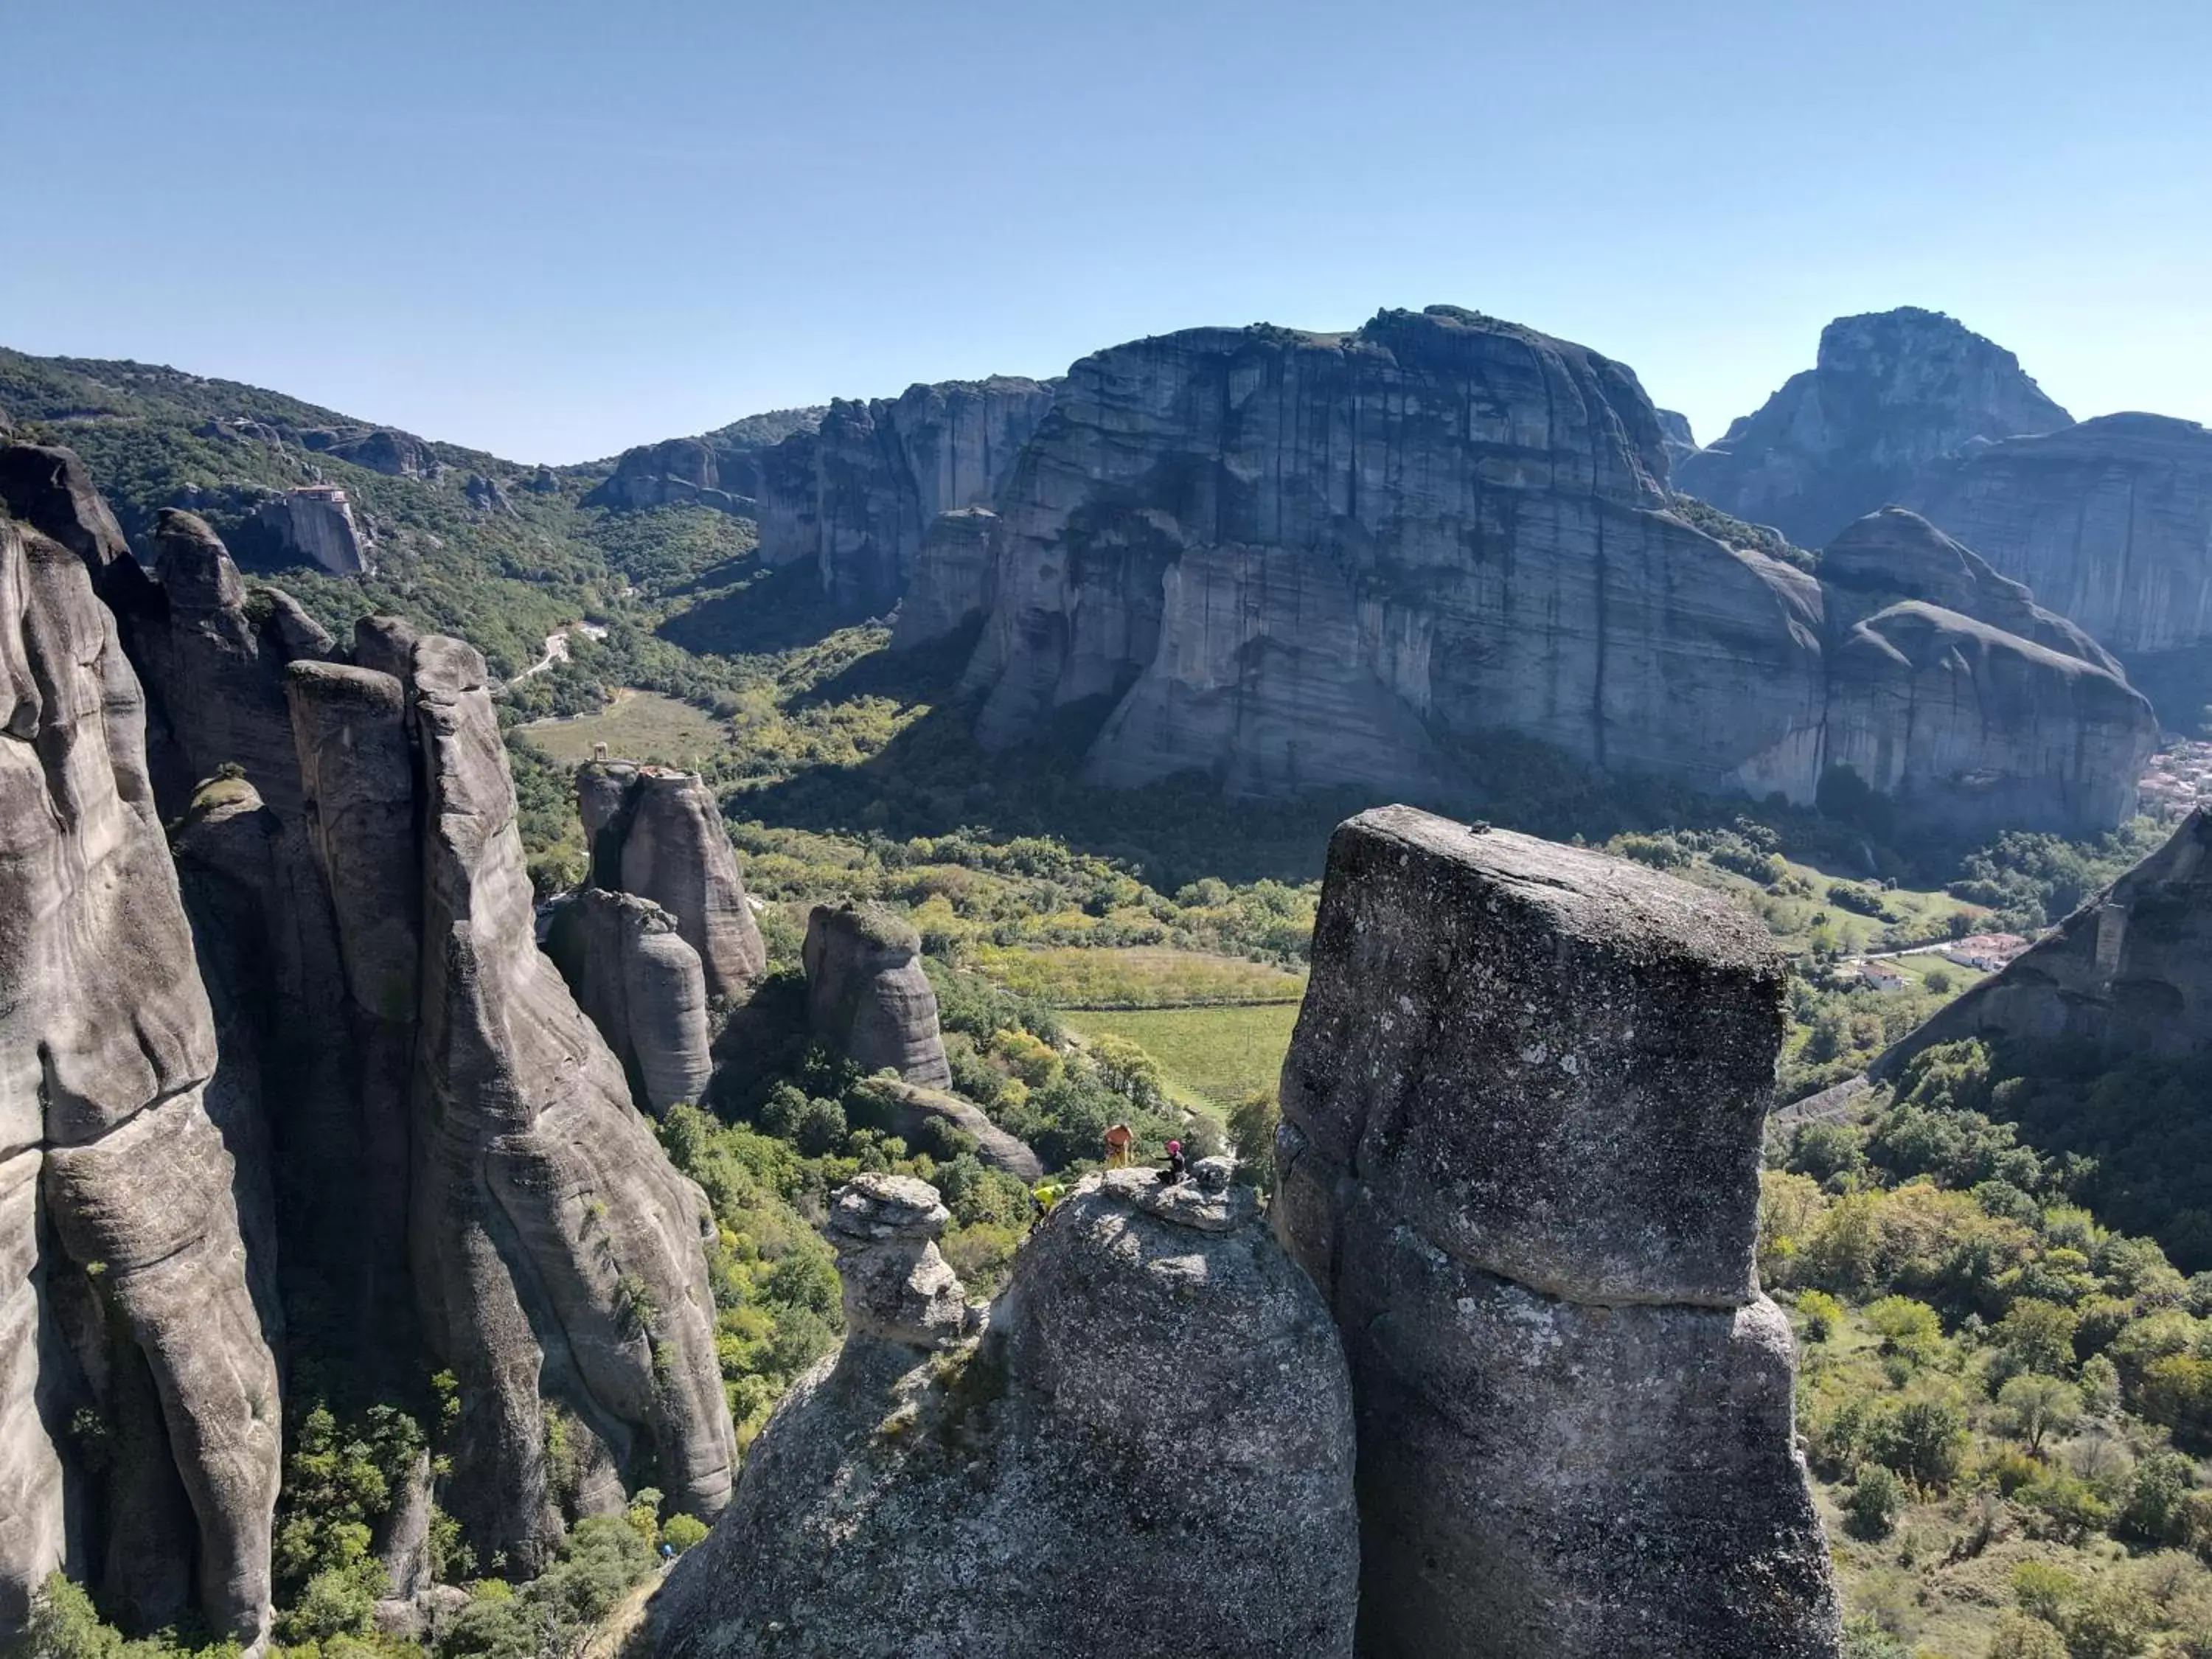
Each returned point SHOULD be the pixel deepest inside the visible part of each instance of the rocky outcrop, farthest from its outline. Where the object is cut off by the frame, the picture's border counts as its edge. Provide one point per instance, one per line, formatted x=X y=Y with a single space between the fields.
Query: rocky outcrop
x=49 y=491
x=1951 y=692
x=1148 y=1450
x=643 y=986
x=1293 y=560
x=1890 y=393
x=867 y=997
x=2129 y=975
x=1520 y=1155
x=488 y=496
x=657 y=832
x=1299 y=561
x=681 y=472
x=2111 y=523
x=916 y=1114
x=130 y=1298
x=557 y=1255
x=1675 y=436
x=315 y=523
x=395 y=454
x=857 y=497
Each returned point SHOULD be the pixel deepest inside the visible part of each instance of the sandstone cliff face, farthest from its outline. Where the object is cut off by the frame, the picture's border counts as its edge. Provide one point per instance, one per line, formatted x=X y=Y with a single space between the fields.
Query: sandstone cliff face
x=530 y=1290
x=1953 y=692
x=658 y=833
x=1520 y=1155
x=2111 y=523
x=2129 y=972
x=857 y=497
x=867 y=997
x=1299 y=562
x=1290 y=559
x=137 y=1304
x=1148 y=1451
x=642 y=986
x=317 y=524
x=1890 y=393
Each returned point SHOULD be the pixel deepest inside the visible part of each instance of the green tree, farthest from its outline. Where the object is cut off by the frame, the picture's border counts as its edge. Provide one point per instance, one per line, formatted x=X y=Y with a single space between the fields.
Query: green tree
x=1252 y=1122
x=1877 y=1499
x=2032 y=1409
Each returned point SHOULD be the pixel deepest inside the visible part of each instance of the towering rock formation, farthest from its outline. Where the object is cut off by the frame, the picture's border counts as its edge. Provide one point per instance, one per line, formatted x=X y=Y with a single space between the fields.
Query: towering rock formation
x=867 y=997
x=1890 y=393
x=857 y=497
x=2110 y=522
x=49 y=491
x=315 y=523
x=643 y=986
x=557 y=1255
x=2128 y=974
x=1292 y=559
x=1520 y=1155
x=1953 y=692
x=656 y=832
x=1147 y=1451
x=1675 y=433
x=133 y=1302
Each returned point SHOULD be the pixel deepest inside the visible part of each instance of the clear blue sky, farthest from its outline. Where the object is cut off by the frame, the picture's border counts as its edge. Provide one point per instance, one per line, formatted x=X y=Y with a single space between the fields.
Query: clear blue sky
x=553 y=229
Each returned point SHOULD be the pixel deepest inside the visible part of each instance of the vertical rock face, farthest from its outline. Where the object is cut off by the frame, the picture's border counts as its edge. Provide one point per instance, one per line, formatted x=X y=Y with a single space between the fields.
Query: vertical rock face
x=138 y=1305
x=857 y=497
x=643 y=986
x=680 y=471
x=657 y=833
x=1953 y=693
x=1890 y=393
x=867 y=997
x=955 y=577
x=556 y=1254
x=1290 y=559
x=50 y=491
x=316 y=523
x=2110 y=522
x=1149 y=1450
x=1521 y=1126
x=2129 y=974
x=1676 y=434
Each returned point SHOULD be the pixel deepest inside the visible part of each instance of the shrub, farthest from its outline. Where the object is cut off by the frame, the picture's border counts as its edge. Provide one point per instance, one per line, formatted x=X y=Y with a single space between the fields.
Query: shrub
x=681 y=1532
x=1821 y=1313
x=2032 y=1409
x=2019 y=1636
x=1877 y=1499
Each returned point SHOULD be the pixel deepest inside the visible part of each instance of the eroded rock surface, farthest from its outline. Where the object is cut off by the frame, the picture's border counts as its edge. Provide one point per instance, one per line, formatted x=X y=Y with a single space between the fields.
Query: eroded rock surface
x=867 y=996
x=1148 y=1451
x=1953 y=692
x=2129 y=974
x=1890 y=393
x=912 y=1110
x=1288 y=560
x=657 y=832
x=1520 y=1152
x=857 y=497
x=643 y=986
x=136 y=1305
x=2110 y=522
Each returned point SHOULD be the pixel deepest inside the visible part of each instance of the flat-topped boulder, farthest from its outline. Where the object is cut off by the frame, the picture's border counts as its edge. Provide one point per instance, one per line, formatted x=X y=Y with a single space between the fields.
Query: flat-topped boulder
x=1520 y=1146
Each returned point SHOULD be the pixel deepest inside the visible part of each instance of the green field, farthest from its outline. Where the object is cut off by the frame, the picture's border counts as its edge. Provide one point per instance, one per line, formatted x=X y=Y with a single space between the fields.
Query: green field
x=1220 y=1055
x=1135 y=977
x=641 y=726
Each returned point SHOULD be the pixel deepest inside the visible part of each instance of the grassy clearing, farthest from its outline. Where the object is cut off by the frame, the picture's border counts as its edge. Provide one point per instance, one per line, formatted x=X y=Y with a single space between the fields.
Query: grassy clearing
x=636 y=726
x=1217 y=1054
x=1139 y=976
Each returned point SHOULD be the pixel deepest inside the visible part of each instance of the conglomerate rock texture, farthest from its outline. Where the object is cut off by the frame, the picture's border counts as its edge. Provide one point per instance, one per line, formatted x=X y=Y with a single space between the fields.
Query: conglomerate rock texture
x=867 y=996
x=358 y=1004
x=125 y=1288
x=1148 y=1450
x=1953 y=693
x=2129 y=974
x=1296 y=560
x=1520 y=1152
x=643 y=986
x=1890 y=393
x=2110 y=522
x=857 y=497
x=657 y=832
